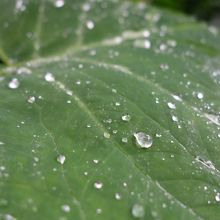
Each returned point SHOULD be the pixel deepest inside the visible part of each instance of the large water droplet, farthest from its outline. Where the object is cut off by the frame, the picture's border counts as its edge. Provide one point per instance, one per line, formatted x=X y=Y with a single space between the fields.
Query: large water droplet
x=14 y=83
x=143 y=140
x=137 y=211
x=61 y=159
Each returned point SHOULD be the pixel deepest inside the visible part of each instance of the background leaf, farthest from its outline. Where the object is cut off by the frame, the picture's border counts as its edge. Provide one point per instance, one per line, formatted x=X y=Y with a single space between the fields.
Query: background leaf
x=70 y=71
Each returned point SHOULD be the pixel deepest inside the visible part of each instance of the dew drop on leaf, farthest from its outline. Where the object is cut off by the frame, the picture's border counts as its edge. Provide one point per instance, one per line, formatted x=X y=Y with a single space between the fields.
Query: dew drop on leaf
x=49 y=77
x=31 y=99
x=98 y=185
x=90 y=24
x=171 y=105
x=117 y=196
x=14 y=83
x=98 y=211
x=124 y=140
x=143 y=140
x=59 y=3
x=200 y=95
x=126 y=118
x=137 y=211
x=106 y=135
x=61 y=159
x=65 y=208
x=217 y=197
x=174 y=118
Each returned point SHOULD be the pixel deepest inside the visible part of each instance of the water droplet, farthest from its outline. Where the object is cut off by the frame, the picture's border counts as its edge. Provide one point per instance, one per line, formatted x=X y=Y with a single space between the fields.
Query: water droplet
x=90 y=24
x=95 y=161
x=164 y=66
x=59 y=3
x=138 y=211
x=217 y=197
x=171 y=105
x=61 y=159
x=158 y=135
x=126 y=117
x=200 y=95
x=20 y=6
x=98 y=211
x=174 y=118
x=14 y=83
x=98 y=185
x=142 y=44
x=9 y=217
x=86 y=7
x=49 y=77
x=65 y=208
x=117 y=103
x=117 y=196
x=31 y=99
x=1 y=143
x=106 y=135
x=176 y=97
x=124 y=140
x=143 y=140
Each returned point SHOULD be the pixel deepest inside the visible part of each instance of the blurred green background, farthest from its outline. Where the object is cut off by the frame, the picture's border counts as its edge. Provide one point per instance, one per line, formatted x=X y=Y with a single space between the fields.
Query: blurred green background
x=208 y=10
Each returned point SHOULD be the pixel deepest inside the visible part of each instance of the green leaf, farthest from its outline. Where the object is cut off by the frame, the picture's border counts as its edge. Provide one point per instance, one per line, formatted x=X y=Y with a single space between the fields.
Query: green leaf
x=68 y=76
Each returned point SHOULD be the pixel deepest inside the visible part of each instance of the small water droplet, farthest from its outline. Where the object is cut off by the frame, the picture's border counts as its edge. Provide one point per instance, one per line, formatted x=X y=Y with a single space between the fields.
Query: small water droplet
x=164 y=66
x=138 y=211
x=61 y=159
x=117 y=196
x=171 y=105
x=124 y=140
x=142 y=44
x=98 y=211
x=49 y=77
x=217 y=197
x=143 y=140
x=106 y=135
x=95 y=161
x=65 y=208
x=98 y=185
x=59 y=3
x=176 y=97
x=200 y=95
x=31 y=99
x=86 y=7
x=126 y=118
x=90 y=24
x=14 y=83
x=117 y=103
x=174 y=118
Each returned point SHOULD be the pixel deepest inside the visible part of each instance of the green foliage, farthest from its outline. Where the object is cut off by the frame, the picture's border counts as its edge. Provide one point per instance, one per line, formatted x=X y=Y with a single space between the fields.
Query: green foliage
x=69 y=73
x=204 y=9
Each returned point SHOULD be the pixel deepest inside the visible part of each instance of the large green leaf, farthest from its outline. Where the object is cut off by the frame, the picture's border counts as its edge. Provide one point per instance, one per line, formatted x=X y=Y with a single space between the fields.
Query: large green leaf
x=68 y=76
